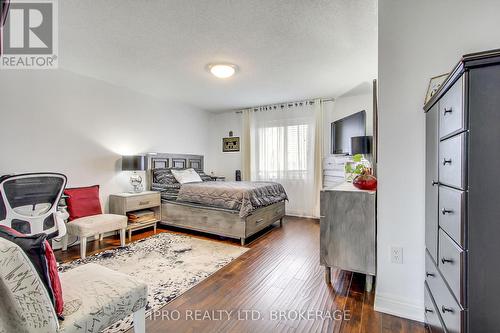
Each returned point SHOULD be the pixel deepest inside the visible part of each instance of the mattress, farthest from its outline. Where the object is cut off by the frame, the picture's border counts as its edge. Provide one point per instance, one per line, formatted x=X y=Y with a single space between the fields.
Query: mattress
x=244 y=197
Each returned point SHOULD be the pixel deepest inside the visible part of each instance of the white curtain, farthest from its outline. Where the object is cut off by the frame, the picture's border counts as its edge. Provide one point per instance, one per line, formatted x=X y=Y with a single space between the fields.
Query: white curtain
x=318 y=153
x=246 y=152
x=283 y=149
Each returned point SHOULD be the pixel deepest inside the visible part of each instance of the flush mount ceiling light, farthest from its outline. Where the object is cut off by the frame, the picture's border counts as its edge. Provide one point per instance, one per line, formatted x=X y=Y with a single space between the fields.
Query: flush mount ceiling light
x=222 y=71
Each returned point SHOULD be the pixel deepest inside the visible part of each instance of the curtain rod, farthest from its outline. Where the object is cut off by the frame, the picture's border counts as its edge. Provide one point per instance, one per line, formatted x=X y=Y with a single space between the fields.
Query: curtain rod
x=284 y=104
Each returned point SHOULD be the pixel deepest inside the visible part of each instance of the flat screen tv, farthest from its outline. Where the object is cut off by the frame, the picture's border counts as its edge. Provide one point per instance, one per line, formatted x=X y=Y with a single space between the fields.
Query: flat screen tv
x=344 y=129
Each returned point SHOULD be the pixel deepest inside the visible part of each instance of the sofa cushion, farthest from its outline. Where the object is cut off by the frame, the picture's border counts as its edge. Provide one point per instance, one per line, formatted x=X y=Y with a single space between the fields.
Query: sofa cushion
x=96 y=224
x=83 y=201
x=96 y=297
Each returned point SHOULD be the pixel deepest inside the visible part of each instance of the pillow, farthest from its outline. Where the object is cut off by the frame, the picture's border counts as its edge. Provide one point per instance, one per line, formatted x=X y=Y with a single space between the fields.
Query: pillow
x=41 y=255
x=83 y=201
x=186 y=176
x=164 y=176
x=204 y=176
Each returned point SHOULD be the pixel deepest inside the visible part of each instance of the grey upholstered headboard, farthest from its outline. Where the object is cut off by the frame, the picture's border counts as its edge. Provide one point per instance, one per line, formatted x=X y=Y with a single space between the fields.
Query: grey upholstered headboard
x=176 y=161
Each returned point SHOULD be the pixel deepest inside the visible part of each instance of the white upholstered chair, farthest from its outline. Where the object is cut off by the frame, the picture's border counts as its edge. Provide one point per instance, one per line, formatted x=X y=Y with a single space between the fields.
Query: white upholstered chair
x=93 y=225
x=95 y=297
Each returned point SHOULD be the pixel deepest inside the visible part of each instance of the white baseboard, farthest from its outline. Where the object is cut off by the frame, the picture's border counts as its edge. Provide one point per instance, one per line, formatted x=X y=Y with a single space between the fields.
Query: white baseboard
x=398 y=307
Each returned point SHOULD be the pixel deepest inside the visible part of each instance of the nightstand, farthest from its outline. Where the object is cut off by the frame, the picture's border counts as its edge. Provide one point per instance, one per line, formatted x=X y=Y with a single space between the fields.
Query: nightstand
x=123 y=203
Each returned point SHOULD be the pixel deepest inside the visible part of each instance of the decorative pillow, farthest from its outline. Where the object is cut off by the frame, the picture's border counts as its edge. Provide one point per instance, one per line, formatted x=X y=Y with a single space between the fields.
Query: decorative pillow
x=168 y=191
x=204 y=176
x=186 y=176
x=55 y=281
x=83 y=201
x=41 y=255
x=164 y=176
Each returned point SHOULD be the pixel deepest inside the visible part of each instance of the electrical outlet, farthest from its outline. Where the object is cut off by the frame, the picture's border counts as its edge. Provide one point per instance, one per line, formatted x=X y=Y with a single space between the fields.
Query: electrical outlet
x=396 y=255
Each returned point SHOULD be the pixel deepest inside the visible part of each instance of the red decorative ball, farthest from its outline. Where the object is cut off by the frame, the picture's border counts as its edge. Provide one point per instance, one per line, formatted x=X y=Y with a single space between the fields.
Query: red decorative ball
x=365 y=182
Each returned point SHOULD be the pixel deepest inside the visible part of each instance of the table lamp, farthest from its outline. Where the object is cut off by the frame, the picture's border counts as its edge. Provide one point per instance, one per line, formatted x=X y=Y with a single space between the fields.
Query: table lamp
x=135 y=163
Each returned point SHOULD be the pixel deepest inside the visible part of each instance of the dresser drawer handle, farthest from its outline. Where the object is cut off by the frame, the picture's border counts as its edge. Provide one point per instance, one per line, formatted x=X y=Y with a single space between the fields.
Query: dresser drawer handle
x=445 y=260
x=445 y=309
x=450 y=110
x=428 y=310
x=259 y=221
x=446 y=161
x=142 y=203
x=427 y=274
x=445 y=211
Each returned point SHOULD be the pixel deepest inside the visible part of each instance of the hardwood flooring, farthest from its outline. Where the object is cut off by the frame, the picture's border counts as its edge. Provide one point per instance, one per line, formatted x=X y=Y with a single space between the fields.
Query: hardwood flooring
x=279 y=282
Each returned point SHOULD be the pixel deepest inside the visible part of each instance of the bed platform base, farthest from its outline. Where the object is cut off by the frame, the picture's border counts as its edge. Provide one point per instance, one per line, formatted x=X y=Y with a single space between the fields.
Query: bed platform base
x=221 y=222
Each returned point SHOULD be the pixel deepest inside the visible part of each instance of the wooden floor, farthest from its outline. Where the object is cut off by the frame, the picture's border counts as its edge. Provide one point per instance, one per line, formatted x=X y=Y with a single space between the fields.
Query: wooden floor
x=279 y=281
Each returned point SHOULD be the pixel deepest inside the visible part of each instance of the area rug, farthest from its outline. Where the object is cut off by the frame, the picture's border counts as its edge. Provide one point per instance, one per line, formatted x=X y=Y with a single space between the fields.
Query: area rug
x=170 y=264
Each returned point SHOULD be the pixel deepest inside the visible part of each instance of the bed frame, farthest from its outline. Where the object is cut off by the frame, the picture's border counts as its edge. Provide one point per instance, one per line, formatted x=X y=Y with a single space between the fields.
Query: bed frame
x=211 y=220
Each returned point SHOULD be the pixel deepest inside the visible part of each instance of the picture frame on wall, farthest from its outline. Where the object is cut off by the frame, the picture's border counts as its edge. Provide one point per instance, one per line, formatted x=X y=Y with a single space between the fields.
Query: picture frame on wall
x=434 y=85
x=231 y=144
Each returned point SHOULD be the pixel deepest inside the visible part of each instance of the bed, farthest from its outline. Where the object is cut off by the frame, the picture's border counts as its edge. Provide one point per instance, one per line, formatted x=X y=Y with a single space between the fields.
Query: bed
x=230 y=209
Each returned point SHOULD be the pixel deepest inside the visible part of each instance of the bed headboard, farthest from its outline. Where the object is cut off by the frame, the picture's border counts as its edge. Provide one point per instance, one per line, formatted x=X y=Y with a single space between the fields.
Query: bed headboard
x=173 y=161
x=176 y=161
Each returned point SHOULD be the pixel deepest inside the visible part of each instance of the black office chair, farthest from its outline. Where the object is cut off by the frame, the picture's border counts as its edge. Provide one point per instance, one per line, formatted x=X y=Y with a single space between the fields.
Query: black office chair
x=28 y=203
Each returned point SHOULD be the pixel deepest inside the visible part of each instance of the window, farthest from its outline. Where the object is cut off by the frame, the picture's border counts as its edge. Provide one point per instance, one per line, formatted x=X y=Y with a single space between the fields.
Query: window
x=283 y=152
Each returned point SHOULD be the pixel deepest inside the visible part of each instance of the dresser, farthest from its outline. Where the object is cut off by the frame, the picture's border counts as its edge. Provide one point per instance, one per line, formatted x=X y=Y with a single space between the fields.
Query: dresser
x=462 y=201
x=348 y=231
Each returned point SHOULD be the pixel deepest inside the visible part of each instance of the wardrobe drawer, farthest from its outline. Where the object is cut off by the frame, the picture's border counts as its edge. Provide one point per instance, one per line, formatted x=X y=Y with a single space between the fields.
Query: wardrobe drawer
x=452 y=213
x=432 y=316
x=451 y=110
x=431 y=271
x=452 y=265
x=143 y=201
x=452 y=161
x=451 y=312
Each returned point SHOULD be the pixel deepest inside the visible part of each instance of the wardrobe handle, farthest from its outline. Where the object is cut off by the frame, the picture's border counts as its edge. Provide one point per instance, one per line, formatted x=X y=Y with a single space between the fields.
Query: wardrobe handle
x=445 y=211
x=428 y=310
x=446 y=161
x=445 y=260
x=450 y=110
x=445 y=309
x=427 y=274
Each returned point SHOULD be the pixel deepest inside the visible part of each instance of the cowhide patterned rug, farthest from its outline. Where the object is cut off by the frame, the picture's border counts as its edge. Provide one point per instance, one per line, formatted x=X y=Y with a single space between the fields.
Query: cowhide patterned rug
x=170 y=264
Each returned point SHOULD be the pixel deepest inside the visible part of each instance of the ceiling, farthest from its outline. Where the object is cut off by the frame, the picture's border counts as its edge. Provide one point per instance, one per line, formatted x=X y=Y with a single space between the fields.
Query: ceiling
x=286 y=50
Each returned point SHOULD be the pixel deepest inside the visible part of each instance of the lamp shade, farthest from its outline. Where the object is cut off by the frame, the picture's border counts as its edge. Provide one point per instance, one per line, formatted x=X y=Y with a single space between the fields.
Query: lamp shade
x=361 y=145
x=134 y=163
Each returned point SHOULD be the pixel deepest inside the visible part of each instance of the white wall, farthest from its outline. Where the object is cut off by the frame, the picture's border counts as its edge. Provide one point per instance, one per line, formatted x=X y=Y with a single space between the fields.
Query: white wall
x=417 y=40
x=343 y=107
x=225 y=164
x=218 y=162
x=54 y=120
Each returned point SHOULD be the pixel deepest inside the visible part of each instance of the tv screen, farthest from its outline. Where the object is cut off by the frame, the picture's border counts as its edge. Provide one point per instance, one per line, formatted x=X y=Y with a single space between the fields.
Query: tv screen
x=344 y=129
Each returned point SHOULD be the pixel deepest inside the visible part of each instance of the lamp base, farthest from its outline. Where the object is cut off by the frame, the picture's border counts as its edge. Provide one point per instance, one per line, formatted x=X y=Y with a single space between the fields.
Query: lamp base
x=136 y=182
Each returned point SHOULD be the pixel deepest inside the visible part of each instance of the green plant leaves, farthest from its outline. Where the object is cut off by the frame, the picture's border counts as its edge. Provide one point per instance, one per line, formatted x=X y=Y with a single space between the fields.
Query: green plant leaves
x=357 y=158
